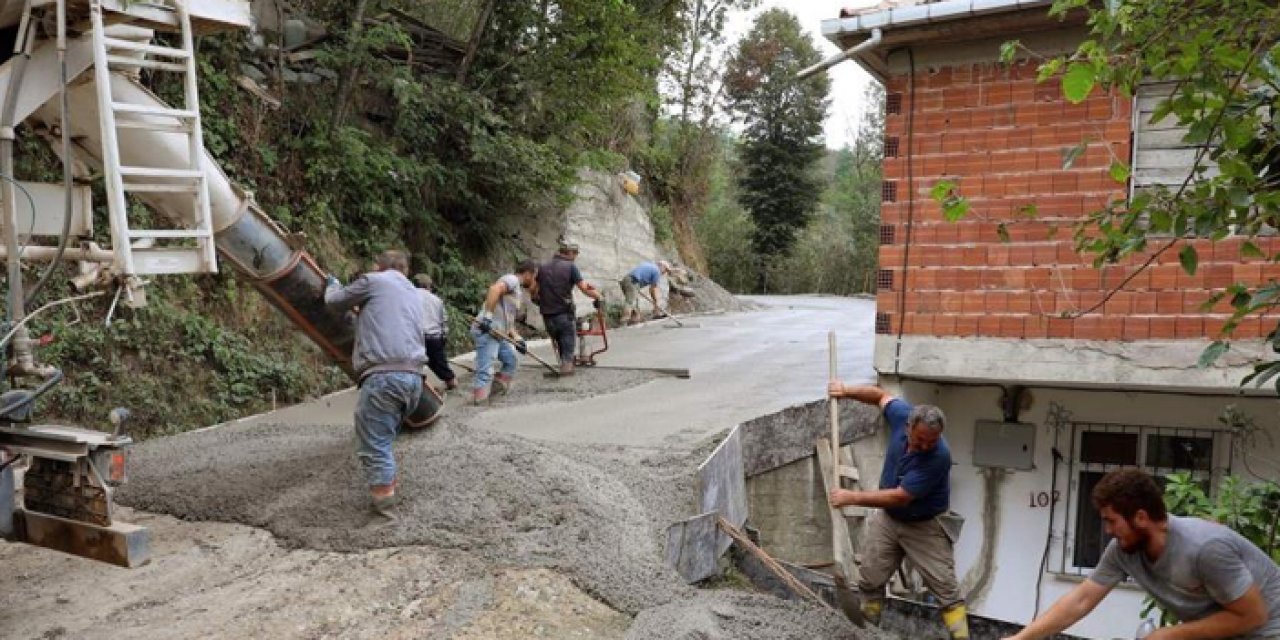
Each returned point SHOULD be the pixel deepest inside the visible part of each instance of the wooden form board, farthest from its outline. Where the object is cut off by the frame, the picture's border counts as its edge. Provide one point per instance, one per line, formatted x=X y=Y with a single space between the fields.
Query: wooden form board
x=722 y=484
x=841 y=542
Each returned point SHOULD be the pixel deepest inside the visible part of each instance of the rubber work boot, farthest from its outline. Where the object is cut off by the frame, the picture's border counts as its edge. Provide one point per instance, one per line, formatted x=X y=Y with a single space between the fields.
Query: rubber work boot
x=956 y=618
x=385 y=506
x=502 y=384
x=872 y=608
x=480 y=395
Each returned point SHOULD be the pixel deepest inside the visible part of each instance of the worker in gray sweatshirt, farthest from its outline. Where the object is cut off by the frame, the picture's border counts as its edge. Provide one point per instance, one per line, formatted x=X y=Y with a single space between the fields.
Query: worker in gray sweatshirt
x=387 y=358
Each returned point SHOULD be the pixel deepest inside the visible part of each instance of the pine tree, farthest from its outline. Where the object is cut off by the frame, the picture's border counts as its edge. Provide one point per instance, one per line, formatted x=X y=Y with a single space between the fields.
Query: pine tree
x=782 y=145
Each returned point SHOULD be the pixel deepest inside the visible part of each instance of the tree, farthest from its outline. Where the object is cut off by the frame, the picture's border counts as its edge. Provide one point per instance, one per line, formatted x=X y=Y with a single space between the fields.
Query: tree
x=837 y=253
x=687 y=145
x=783 y=120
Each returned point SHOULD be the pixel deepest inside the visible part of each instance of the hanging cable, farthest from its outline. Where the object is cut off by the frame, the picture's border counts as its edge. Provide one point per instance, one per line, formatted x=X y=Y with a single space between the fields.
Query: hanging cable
x=1048 y=536
x=14 y=330
x=67 y=178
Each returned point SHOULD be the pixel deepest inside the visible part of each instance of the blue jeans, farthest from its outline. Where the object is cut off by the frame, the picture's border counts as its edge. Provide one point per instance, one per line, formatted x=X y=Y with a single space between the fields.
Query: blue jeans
x=487 y=347
x=385 y=400
x=563 y=329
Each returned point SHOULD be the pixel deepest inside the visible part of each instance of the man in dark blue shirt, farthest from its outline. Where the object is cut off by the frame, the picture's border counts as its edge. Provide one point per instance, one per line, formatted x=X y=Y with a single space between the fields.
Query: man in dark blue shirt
x=915 y=488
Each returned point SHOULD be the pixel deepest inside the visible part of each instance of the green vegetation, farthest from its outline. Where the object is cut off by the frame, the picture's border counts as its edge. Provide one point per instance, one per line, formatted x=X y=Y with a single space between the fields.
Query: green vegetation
x=1251 y=509
x=444 y=162
x=783 y=119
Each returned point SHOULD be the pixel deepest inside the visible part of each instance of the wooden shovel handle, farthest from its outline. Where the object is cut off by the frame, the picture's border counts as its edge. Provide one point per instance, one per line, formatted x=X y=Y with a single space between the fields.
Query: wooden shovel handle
x=835 y=412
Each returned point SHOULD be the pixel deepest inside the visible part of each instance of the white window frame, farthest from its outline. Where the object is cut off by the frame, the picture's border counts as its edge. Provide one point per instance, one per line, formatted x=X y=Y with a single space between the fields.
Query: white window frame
x=1220 y=465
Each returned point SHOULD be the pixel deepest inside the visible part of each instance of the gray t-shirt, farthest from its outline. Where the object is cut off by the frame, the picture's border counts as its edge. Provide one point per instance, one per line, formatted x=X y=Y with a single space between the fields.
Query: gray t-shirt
x=434 y=315
x=1204 y=565
x=509 y=304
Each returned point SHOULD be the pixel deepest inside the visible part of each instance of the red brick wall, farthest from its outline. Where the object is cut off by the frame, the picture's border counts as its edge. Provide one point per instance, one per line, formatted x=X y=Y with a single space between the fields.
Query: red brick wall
x=1000 y=136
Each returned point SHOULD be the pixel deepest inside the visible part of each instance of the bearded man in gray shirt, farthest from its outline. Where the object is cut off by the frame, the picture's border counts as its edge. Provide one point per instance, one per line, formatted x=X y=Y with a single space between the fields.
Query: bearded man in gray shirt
x=1217 y=583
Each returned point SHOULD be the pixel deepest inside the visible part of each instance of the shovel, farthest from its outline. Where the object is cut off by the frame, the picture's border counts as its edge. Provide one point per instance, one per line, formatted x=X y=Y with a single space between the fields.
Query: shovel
x=507 y=339
x=848 y=602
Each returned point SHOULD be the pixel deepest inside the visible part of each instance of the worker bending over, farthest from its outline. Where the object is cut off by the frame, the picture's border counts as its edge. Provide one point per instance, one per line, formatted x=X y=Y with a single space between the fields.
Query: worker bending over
x=387 y=358
x=915 y=489
x=494 y=330
x=1211 y=578
x=646 y=274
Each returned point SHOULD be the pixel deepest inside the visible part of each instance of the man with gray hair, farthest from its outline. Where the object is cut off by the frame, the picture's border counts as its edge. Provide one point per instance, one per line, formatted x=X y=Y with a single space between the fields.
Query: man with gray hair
x=387 y=358
x=915 y=489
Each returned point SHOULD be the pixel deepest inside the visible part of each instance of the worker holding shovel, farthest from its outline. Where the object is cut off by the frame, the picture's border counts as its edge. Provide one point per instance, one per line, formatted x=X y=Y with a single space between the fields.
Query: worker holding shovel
x=646 y=274
x=915 y=490
x=498 y=316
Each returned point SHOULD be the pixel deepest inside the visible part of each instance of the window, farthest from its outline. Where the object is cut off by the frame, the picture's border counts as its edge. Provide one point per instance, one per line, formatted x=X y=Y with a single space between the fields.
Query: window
x=884 y=280
x=888 y=234
x=893 y=104
x=1099 y=448
x=891 y=146
x=889 y=191
x=883 y=326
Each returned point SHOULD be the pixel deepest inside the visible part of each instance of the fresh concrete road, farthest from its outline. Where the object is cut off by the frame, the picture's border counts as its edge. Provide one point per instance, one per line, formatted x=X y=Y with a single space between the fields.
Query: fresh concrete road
x=743 y=365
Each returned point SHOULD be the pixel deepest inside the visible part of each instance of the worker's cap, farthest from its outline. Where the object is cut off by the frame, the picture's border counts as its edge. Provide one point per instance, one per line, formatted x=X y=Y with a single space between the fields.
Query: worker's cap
x=566 y=245
x=423 y=280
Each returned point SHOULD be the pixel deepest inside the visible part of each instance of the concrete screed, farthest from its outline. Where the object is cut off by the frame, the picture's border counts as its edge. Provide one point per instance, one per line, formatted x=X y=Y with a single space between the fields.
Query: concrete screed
x=519 y=519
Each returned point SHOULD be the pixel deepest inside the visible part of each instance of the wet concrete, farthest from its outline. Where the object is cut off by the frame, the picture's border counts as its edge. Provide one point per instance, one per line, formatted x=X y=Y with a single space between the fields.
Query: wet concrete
x=743 y=365
x=578 y=476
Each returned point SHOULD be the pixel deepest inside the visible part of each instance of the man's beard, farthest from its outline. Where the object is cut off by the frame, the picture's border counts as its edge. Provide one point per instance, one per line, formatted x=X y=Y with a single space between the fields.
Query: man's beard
x=1140 y=540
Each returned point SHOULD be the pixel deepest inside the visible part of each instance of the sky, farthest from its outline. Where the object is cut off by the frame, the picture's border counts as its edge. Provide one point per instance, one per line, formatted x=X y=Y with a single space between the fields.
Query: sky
x=848 y=80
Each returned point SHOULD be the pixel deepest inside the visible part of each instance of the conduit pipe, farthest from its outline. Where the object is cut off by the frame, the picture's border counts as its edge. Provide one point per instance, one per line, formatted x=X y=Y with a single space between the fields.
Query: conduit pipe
x=246 y=238
x=865 y=45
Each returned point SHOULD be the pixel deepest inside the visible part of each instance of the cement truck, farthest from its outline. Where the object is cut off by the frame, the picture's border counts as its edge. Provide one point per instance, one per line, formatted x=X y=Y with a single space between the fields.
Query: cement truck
x=73 y=77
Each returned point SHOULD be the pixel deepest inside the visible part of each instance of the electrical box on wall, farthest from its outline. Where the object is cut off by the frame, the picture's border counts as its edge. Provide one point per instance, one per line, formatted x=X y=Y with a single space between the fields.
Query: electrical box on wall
x=1010 y=445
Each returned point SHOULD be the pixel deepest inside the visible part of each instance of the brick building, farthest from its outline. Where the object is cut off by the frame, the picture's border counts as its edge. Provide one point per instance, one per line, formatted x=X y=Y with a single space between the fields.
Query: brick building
x=1041 y=403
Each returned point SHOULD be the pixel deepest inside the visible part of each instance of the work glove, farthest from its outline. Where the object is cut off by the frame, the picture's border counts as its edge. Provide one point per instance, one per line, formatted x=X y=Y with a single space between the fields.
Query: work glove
x=522 y=346
x=485 y=324
x=598 y=304
x=332 y=281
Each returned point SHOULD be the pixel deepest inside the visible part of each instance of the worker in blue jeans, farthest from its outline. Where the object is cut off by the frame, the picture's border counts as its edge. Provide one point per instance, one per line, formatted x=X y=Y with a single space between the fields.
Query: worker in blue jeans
x=387 y=357
x=497 y=315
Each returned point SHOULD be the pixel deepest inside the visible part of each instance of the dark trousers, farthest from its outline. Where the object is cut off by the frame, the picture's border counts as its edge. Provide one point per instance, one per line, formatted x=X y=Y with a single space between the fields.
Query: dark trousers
x=437 y=360
x=562 y=327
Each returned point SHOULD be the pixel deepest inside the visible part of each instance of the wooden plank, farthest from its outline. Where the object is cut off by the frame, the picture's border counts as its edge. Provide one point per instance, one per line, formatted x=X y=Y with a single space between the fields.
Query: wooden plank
x=722 y=484
x=1152 y=139
x=1181 y=159
x=693 y=547
x=121 y=544
x=841 y=543
x=1152 y=177
x=796 y=587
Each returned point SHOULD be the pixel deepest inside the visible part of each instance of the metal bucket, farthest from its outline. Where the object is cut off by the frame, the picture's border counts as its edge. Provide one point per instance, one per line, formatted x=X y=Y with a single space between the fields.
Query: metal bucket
x=430 y=406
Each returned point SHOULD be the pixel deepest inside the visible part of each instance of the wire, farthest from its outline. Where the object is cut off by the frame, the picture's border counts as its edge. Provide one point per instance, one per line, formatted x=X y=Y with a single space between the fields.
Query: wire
x=31 y=229
x=1048 y=536
x=9 y=336
x=28 y=399
x=56 y=263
